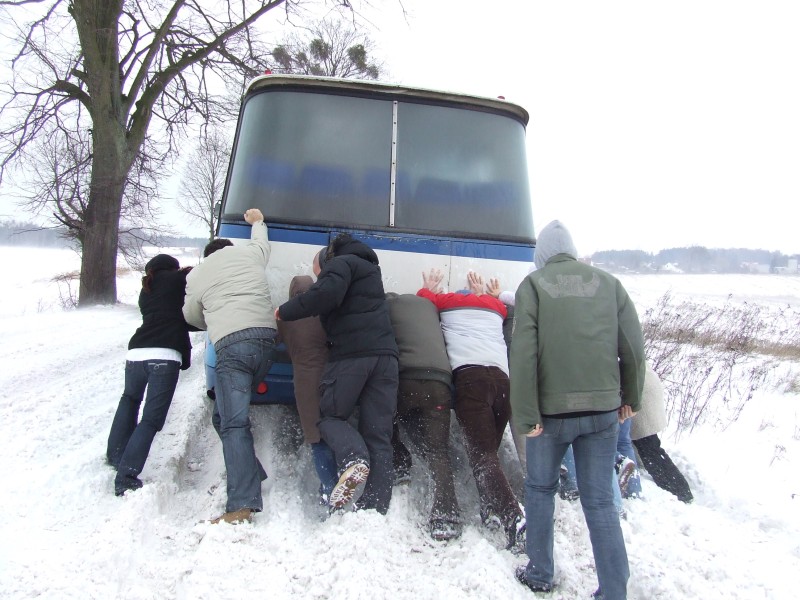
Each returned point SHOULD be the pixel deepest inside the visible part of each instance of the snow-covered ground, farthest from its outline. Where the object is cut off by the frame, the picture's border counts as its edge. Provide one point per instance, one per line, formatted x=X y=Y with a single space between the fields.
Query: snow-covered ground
x=65 y=535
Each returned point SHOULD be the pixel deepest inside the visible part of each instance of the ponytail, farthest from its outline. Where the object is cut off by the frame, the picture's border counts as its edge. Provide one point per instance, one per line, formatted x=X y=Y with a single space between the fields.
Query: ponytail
x=147 y=280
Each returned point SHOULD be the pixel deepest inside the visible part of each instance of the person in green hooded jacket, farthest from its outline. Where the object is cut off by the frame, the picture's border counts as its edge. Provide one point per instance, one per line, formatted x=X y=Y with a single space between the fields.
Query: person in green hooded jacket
x=577 y=371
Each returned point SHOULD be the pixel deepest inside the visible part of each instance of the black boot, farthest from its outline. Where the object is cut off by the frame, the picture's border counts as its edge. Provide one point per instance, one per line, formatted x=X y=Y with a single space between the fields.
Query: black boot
x=123 y=483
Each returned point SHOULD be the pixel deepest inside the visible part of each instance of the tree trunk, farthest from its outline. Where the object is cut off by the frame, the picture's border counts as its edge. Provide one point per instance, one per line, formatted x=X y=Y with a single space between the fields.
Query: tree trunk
x=98 y=283
x=97 y=23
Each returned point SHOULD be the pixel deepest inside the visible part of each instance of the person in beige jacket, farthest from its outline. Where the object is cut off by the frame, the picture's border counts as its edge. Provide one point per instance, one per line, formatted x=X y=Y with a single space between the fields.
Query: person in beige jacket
x=227 y=295
x=647 y=423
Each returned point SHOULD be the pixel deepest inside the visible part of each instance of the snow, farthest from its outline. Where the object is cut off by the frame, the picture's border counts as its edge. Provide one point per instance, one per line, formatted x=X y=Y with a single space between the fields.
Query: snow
x=65 y=535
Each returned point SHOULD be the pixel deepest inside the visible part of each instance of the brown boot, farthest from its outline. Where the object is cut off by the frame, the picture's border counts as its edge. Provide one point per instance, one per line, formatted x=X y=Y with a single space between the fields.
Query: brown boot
x=237 y=516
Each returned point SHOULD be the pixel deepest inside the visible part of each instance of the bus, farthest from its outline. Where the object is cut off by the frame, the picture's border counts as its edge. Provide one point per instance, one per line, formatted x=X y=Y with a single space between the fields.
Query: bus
x=428 y=179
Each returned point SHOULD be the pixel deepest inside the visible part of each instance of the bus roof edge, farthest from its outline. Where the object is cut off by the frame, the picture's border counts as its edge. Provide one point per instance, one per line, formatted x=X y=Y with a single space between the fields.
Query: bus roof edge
x=334 y=83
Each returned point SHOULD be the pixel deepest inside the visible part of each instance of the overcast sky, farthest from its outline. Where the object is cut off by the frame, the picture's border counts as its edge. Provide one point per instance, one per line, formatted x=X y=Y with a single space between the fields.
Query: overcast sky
x=653 y=124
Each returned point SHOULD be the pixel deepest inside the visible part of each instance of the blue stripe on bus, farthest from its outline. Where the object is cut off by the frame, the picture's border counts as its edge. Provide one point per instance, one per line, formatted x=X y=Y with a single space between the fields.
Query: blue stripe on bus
x=399 y=242
x=277 y=234
x=494 y=251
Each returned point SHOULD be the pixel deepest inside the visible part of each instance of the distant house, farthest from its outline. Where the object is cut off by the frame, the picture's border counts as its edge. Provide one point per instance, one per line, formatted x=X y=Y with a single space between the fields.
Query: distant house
x=751 y=267
x=671 y=268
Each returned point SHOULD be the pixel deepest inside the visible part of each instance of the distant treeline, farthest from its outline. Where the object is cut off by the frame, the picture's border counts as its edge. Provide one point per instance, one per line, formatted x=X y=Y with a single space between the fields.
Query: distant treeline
x=15 y=233
x=696 y=259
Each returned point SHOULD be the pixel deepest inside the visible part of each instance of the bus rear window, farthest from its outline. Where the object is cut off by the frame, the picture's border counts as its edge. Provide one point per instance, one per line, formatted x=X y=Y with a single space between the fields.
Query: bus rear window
x=313 y=157
x=326 y=159
x=462 y=171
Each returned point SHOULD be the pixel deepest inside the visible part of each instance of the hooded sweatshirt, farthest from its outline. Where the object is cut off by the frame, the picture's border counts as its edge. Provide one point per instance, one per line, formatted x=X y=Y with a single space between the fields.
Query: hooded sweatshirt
x=304 y=338
x=577 y=344
x=419 y=338
x=349 y=299
x=305 y=342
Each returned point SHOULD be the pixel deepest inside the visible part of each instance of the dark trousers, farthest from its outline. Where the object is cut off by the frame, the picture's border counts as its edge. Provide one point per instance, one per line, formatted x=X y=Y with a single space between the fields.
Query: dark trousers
x=371 y=384
x=129 y=440
x=483 y=409
x=661 y=468
x=423 y=408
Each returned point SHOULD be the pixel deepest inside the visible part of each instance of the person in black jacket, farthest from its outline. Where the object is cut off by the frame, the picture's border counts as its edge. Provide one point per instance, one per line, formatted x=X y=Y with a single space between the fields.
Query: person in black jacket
x=361 y=370
x=159 y=348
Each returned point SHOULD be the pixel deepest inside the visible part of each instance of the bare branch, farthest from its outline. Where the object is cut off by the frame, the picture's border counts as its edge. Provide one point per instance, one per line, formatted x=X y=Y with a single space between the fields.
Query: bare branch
x=88 y=79
x=332 y=46
x=204 y=179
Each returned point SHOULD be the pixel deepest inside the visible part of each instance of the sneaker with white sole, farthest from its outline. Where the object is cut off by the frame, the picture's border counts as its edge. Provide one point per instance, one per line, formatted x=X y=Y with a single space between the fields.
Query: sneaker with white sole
x=353 y=475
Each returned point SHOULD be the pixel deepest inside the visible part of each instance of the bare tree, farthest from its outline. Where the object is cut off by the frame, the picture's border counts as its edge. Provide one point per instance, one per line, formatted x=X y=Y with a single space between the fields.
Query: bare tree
x=126 y=63
x=58 y=177
x=331 y=47
x=204 y=178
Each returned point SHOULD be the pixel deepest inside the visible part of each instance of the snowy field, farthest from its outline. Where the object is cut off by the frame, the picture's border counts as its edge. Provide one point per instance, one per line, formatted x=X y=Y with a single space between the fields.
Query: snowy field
x=65 y=535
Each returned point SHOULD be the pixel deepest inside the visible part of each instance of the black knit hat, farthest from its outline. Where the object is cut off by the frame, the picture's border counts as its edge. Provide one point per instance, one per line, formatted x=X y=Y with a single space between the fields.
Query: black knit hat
x=162 y=262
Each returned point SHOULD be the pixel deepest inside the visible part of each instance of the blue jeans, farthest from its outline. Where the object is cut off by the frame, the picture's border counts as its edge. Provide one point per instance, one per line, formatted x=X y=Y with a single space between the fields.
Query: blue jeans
x=571 y=482
x=129 y=441
x=243 y=359
x=325 y=466
x=210 y=361
x=594 y=442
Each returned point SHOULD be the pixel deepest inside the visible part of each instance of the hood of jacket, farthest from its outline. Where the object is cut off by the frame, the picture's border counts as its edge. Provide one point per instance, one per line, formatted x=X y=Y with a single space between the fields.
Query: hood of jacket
x=299 y=284
x=553 y=239
x=345 y=244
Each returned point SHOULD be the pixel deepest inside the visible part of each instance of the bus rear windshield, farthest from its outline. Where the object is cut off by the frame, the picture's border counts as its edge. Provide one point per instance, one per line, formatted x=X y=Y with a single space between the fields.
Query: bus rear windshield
x=326 y=159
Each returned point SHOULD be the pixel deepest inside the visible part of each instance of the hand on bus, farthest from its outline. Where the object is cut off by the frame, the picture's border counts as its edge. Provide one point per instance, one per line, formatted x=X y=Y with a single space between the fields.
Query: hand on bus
x=253 y=215
x=475 y=282
x=493 y=287
x=431 y=281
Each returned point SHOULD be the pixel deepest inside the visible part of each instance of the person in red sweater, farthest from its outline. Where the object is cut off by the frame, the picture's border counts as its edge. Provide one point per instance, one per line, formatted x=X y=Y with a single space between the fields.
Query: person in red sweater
x=472 y=324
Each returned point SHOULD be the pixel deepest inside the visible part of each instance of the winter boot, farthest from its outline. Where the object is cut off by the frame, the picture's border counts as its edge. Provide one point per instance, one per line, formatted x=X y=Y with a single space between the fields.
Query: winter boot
x=443 y=529
x=544 y=588
x=124 y=483
x=515 y=531
x=353 y=475
x=237 y=516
